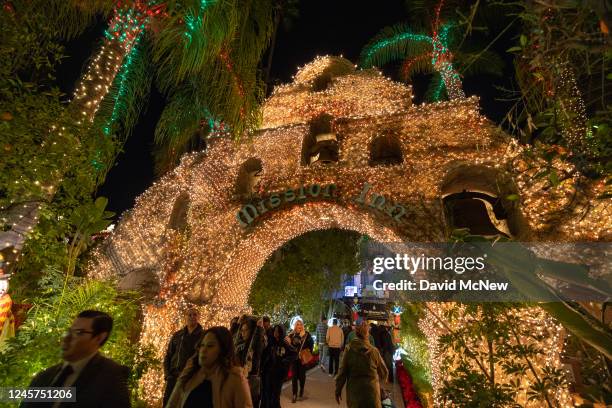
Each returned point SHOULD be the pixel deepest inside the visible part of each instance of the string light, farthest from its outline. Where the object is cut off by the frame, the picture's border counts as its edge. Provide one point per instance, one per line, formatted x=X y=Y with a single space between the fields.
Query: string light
x=212 y=261
x=544 y=334
x=125 y=27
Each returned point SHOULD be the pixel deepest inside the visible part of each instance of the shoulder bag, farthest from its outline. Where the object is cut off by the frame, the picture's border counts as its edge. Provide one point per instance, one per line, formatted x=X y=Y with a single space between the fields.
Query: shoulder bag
x=305 y=354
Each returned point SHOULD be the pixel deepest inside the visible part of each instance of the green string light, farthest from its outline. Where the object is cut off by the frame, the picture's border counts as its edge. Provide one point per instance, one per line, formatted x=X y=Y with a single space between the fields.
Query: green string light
x=194 y=23
x=395 y=39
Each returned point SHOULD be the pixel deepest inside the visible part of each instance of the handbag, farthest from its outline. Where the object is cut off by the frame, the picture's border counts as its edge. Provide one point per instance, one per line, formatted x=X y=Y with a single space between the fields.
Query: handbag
x=254 y=381
x=305 y=355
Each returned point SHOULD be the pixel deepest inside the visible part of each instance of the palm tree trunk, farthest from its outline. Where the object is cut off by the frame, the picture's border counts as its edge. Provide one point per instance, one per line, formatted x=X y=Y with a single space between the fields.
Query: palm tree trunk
x=277 y=19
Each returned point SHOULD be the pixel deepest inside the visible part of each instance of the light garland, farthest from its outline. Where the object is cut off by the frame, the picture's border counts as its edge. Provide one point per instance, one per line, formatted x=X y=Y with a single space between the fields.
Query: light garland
x=125 y=27
x=545 y=334
x=214 y=261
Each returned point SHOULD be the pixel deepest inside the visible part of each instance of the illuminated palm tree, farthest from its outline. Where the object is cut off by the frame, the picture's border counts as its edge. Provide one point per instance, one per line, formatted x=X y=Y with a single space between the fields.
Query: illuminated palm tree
x=429 y=53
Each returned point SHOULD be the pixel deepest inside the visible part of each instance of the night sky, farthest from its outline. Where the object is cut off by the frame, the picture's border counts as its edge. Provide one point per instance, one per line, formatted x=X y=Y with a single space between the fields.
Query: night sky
x=336 y=27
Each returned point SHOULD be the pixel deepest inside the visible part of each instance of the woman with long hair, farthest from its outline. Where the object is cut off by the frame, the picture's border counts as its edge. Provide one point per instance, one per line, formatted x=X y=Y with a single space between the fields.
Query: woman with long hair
x=249 y=350
x=211 y=377
x=300 y=340
x=363 y=370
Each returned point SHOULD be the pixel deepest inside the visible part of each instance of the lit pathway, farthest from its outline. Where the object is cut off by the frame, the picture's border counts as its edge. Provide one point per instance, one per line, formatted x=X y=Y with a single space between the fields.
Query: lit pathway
x=319 y=392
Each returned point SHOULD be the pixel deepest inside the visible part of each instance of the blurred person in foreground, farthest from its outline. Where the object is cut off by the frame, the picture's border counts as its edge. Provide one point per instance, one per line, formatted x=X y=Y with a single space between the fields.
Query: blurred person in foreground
x=362 y=370
x=212 y=377
x=249 y=351
x=99 y=381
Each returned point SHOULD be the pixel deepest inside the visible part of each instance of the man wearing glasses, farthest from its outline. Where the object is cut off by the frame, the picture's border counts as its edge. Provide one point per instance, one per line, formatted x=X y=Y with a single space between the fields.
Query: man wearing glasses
x=99 y=381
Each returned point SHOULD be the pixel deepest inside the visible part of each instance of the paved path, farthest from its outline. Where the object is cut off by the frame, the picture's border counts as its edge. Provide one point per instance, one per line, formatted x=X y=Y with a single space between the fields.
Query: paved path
x=319 y=392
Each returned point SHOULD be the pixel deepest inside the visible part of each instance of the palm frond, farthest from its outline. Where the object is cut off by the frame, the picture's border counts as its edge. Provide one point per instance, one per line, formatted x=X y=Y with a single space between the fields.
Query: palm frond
x=179 y=121
x=87 y=295
x=436 y=91
x=418 y=65
x=394 y=43
x=478 y=62
x=221 y=45
x=71 y=17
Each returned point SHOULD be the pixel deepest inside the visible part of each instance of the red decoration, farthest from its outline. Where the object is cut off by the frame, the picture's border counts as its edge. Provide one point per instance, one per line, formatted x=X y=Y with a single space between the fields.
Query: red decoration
x=8 y=7
x=409 y=394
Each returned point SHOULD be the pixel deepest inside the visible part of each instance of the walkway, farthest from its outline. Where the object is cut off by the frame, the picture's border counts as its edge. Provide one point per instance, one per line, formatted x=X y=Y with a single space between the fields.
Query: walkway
x=319 y=392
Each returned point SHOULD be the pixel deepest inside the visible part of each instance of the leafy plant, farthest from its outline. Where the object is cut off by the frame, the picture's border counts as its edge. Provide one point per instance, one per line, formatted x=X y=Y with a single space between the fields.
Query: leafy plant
x=37 y=342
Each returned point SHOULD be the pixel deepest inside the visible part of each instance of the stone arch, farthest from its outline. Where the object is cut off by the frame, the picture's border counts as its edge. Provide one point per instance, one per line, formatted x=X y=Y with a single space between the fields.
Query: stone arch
x=178 y=216
x=386 y=150
x=320 y=145
x=249 y=176
x=249 y=258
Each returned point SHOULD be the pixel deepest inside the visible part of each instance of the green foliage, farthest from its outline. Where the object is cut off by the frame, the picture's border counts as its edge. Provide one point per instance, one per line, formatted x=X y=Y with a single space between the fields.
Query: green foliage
x=491 y=340
x=413 y=43
x=524 y=271
x=593 y=370
x=562 y=71
x=414 y=342
x=394 y=43
x=207 y=54
x=300 y=276
x=37 y=342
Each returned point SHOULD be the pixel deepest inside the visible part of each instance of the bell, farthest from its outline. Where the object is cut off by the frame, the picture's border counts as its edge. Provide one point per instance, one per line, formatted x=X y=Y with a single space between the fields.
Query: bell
x=325 y=150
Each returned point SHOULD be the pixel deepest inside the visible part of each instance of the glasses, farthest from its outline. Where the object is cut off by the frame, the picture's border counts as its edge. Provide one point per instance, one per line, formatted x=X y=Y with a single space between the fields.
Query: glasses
x=77 y=332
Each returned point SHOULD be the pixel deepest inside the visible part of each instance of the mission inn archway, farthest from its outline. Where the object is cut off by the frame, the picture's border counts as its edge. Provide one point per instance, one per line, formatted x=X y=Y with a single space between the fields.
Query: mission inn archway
x=201 y=233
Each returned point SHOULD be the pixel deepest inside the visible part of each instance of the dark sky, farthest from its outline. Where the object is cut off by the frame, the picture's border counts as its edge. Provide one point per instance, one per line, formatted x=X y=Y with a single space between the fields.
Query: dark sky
x=323 y=27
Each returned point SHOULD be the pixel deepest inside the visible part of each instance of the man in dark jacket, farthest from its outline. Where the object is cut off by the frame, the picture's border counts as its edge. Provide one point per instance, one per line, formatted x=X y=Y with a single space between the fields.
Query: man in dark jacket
x=182 y=346
x=99 y=381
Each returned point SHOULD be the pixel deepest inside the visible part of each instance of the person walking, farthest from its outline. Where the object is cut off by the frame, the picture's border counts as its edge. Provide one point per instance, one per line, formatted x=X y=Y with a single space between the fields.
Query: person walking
x=335 y=342
x=388 y=349
x=212 y=378
x=300 y=340
x=249 y=352
x=181 y=347
x=353 y=333
x=279 y=357
x=99 y=381
x=321 y=336
x=363 y=371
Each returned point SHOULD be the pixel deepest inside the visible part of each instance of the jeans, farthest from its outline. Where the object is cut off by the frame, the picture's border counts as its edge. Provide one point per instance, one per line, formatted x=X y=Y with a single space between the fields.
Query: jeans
x=299 y=375
x=322 y=353
x=334 y=360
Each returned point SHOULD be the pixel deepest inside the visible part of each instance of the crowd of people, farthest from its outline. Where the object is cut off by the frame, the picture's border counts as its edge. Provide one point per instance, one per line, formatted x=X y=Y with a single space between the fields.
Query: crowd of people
x=243 y=366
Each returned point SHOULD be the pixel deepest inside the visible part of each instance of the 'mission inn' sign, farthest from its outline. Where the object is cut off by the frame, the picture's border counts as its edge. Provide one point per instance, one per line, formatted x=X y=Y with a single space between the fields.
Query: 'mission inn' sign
x=249 y=213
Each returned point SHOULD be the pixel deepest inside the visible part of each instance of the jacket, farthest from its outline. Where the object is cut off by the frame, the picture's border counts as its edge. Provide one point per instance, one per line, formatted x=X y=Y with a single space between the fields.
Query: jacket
x=250 y=353
x=101 y=384
x=296 y=342
x=231 y=392
x=181 y=347
x=363 y=371
x=335 y=337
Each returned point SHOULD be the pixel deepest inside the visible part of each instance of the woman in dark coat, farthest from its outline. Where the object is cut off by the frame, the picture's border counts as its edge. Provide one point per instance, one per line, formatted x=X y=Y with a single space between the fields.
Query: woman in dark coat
x=300 y=340
x=249 y=351
x=278 y=357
